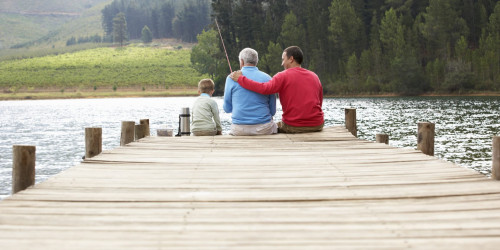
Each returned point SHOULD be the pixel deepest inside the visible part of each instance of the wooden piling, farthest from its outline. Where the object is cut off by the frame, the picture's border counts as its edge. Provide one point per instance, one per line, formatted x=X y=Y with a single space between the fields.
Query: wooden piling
x=128 y=133
x=145 y=122
x=382 y=138
x=495 y=167
x=139 y=131
x=23 y=167
x=425 y=140
x=350 y=121
x=93 y=142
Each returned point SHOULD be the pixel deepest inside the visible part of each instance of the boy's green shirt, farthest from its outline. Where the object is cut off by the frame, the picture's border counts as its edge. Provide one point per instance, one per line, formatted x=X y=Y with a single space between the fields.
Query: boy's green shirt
x=205 y=114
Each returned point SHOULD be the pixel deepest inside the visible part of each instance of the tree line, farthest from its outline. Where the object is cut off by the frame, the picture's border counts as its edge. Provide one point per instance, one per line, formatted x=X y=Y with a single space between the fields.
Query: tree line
x=164 y=18
x=84 y=39
x=364 y=46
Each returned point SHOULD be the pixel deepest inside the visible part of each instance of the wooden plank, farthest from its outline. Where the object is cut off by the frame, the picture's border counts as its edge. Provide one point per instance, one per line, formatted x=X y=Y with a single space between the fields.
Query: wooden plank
x=306 y=191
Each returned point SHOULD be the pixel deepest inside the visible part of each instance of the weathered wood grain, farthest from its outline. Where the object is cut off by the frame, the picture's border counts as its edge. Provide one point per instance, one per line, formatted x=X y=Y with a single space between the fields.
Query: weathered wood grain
x=325 y=190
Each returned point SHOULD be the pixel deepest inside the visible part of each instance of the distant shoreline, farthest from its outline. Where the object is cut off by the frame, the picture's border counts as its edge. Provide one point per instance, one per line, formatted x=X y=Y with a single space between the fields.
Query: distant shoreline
x=84 y=94
x=363 y=95
x=55 y=93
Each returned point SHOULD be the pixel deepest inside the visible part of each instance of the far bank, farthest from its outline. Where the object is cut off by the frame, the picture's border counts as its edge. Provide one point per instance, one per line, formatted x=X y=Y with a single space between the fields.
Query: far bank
x=104 y=93
x=154 y=91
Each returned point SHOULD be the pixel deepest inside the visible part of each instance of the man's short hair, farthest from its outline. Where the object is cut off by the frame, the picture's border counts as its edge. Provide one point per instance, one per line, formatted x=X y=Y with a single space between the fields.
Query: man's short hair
x=296 y=52
x=249 y=56
x=206 y=85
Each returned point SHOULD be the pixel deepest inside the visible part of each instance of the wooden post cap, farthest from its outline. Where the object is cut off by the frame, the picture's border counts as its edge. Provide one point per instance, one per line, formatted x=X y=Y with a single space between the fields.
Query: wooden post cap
x=425 y=138
x=495 y=167
x=382 y=138
x=23 y=167
x=139 y=131
x=350 y=121
x=93 y=142
x=145 y=122
x=127 y=133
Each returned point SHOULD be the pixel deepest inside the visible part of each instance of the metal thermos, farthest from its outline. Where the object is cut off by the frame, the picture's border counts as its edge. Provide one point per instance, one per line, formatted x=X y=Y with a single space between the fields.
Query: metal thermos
x=184 y=122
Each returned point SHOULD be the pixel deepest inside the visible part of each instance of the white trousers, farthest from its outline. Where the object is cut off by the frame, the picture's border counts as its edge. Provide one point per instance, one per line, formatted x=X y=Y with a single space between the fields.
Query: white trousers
x=256 y=129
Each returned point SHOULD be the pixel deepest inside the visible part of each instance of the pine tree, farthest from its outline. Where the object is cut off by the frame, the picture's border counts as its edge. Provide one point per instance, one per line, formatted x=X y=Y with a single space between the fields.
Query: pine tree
x=491 y=49
x=443 y=27
x=120 y=29
x=292 y=33
x=317 y=49
x=167 y=11
x=270 y=62
x=108 y=13
x=155 y=22
x=392 y=35
x=243 y=16
x=345 y=29
x=147 y=35
x=275 y=11
x=191 y=20
x=352 y=73
x=376 y=52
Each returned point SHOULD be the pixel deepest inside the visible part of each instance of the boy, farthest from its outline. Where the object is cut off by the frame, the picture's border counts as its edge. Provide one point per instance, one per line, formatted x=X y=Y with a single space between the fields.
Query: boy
x=205 y=112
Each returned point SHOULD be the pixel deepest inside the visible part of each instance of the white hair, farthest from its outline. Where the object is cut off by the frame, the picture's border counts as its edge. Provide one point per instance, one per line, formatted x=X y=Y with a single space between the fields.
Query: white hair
x=249 y=56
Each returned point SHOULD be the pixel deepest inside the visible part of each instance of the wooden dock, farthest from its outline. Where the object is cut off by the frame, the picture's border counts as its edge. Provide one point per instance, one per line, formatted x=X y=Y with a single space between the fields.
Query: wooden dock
x=325 y=190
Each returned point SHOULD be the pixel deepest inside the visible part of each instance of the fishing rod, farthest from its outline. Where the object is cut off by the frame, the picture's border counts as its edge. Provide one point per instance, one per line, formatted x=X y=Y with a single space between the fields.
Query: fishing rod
x=224 y=46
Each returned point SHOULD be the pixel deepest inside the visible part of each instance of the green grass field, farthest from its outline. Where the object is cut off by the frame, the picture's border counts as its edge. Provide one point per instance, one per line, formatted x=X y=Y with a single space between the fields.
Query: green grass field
x=101 y=69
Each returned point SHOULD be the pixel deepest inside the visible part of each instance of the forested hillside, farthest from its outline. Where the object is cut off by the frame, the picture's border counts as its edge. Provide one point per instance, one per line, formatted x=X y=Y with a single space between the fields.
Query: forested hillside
x=406 y=47
x=56 y=23
x=29 y=23
x=47 y=6
x=181 y=19
x=371 y=46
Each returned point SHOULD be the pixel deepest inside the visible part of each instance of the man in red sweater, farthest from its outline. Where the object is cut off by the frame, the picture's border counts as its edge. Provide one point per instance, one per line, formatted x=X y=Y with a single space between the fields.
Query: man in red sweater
x=300 y=93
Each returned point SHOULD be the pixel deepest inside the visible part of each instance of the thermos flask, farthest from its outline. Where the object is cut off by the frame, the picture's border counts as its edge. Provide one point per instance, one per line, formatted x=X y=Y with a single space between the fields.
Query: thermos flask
x=184 y=122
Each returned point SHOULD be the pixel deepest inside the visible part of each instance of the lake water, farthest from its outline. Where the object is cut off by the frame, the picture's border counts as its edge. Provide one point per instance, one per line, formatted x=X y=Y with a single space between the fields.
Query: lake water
x=464 y=126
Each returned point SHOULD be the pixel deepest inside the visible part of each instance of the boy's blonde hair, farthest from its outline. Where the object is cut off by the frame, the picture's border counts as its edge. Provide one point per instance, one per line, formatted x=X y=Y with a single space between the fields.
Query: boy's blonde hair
x=206 y=85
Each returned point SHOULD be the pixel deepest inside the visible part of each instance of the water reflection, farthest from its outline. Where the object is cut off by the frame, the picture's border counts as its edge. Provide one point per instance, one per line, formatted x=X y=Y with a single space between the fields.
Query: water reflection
x=464 y=126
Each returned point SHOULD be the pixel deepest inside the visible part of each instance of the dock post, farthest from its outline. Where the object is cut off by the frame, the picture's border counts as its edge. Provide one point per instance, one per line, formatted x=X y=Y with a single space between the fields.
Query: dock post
x=425 y=140
x=350 y=121
x=145 y=122
x=139 y=131
x=495 y=167
x=128 y=133
x=23 y=167
x=93 y=142
x=382 y=138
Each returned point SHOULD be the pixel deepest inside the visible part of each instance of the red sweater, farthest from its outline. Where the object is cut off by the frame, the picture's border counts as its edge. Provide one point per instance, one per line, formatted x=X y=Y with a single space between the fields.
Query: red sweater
x=300 y=93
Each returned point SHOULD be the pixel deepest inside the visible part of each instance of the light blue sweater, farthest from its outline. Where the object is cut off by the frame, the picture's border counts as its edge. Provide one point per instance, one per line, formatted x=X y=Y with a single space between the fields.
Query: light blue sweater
x=248 y=107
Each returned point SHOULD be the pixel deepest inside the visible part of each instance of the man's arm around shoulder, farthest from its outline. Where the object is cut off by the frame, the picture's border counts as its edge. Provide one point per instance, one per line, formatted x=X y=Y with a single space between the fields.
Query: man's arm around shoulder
x=266 y=88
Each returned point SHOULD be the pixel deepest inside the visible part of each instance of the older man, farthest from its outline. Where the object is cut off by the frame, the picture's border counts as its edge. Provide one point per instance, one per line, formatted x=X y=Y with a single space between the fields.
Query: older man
x=300 y=91
x=252 y=113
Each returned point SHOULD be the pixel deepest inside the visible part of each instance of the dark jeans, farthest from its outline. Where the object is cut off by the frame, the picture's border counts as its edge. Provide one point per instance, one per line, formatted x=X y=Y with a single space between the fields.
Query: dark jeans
x=285 y=128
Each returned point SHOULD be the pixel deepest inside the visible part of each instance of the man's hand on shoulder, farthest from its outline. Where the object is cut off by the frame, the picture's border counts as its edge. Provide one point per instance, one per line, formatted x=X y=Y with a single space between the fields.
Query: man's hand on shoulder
x=235 y=75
